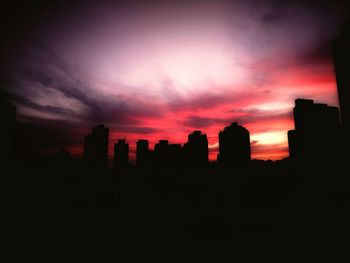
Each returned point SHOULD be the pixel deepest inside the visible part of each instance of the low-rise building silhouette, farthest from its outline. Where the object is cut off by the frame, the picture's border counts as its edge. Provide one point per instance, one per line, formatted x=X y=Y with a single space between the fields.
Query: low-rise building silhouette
x=96 y=147
x=142 y=153
x=61 y=158
x=121 y=153
x=197 y=149
x=166 y=154
x=317 y=131
x=234 y=145
x=176 y=154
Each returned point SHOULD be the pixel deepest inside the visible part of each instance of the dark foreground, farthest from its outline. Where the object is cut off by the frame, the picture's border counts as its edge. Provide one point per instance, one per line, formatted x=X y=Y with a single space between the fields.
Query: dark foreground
x=267 y=201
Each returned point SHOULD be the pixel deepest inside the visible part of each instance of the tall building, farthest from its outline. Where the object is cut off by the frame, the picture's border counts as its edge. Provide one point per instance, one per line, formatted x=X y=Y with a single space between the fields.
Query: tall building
x=121 y=153
x=310 y=116
x=292 y=144
x=317 y=131
x=142 y=153
x=161 y=152
x=341 y=56
x=7 y=130
x=96 y=147
x=234 y=145
x=197 y=149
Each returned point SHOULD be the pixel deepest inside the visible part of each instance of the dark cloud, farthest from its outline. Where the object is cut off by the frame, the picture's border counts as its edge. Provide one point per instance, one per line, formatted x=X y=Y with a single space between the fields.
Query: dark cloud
x=46 y=73
x=204 y=100
x=256 y=115
x=240 y=116
x=207 y=100
x=281 y=11
x=271 y=149
x=21 y=100
x=316 y=22
x=202 y=122
x=276 y=12
x=43 y=74
x=135 y=129
x=319 y=54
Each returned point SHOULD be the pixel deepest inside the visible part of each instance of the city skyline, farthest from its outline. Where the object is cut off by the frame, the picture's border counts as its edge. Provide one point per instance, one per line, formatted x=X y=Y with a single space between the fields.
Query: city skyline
x=224 y=62
x=317 y=136
x=165 y=120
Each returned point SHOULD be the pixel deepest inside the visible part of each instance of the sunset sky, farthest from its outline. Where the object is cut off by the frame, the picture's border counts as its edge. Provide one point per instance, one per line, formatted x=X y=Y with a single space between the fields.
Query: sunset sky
x=162 y=69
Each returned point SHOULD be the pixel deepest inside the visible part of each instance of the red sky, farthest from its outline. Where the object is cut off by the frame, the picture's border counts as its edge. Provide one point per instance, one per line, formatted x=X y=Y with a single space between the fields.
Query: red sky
x=163 y=69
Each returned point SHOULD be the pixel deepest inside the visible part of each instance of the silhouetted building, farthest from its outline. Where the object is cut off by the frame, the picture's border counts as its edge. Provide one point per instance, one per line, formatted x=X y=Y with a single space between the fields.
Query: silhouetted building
x=166 y=154
x=96 y=147
x=121 y=153
x=234 y=145
x=61 y=158
x=142 y=153
x=341 y=55
x=176 y=154
x=317 y=131
x=161 y=150
x=310 y=116
x=197 y=149
x=7 y=130
x=292 y=144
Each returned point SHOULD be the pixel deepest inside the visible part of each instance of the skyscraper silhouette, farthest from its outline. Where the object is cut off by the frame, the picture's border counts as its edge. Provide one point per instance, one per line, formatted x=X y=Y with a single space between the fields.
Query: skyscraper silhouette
x=7 y=130
x=234 y=145
x=292 y=144
x=142 y=153
x=121 y=153
x=317 y=131
x=96 y=147
x=310 y=116
x=161 y=151
x=341 y=55
x=197 y=149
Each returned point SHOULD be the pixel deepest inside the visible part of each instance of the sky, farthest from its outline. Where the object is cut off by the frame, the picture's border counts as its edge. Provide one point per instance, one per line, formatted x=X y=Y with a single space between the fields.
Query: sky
x=162 y=69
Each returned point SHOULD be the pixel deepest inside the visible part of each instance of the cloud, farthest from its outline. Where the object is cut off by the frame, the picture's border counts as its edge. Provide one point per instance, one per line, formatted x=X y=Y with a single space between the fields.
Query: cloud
x=179 y=67
x=135 y=129
x=49 y=85
x=248 y=116
x=202 y=122
x=270 y=151
x=321 y=53
x=276 y=12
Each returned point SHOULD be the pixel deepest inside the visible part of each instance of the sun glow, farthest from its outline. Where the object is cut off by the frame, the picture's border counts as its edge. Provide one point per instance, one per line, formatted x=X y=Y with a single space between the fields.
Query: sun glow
x=270 y=138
